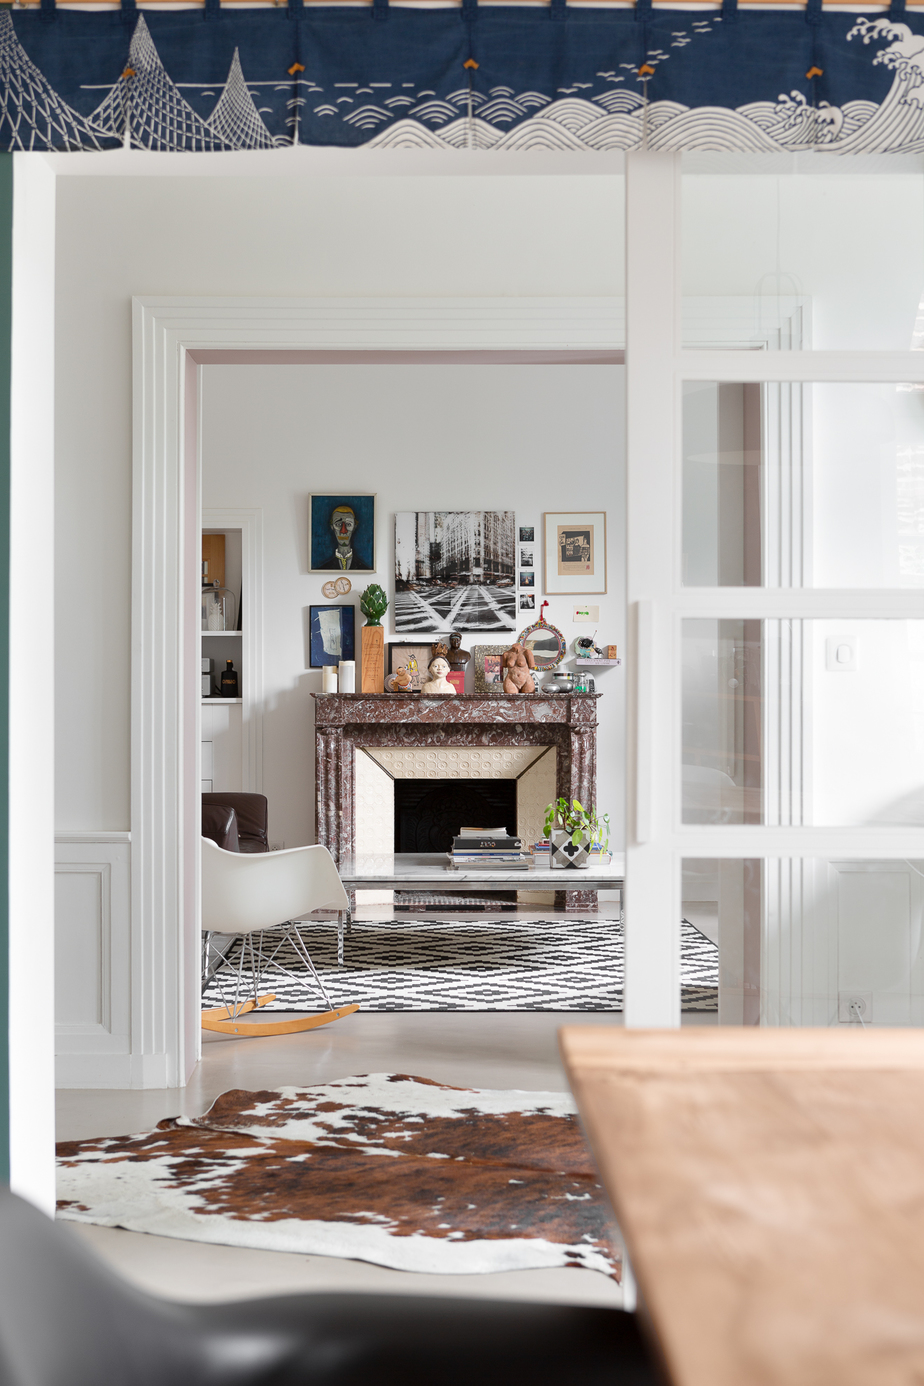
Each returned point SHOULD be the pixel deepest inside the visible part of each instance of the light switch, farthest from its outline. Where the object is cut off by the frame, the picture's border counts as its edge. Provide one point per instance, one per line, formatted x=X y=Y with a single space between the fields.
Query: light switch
x=842 y=654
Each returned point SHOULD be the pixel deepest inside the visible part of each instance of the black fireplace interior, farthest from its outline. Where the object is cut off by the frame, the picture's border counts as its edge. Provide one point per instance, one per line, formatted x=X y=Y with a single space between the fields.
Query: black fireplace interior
x=429 y=814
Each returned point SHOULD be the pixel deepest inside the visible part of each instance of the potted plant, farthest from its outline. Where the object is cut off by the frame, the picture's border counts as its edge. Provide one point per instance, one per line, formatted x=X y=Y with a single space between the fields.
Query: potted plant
x=573 y=830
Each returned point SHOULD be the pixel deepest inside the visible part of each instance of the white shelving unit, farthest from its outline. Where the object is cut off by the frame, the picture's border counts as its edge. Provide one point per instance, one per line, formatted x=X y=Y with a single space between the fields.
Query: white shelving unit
x=231 y=729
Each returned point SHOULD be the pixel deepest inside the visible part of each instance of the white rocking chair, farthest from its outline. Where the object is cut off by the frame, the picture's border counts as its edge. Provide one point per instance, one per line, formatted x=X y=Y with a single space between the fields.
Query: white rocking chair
x=263 y=893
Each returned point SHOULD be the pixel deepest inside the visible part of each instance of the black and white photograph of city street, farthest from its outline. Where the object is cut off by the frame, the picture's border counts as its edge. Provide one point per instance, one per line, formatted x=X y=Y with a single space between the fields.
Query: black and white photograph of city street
x=455 y=570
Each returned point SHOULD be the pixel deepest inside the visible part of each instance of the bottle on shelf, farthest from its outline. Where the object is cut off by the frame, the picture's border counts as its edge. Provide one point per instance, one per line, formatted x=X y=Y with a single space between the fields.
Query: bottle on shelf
x=229 y=682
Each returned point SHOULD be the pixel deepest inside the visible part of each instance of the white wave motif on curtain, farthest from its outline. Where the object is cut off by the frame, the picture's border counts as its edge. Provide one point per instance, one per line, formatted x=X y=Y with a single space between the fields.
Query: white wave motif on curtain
x=790 y=123
x=148 y=102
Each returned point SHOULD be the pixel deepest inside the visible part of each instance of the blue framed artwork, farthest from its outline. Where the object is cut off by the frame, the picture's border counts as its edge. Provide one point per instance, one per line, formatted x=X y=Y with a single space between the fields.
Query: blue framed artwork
x=332 y=635
x=342 y=534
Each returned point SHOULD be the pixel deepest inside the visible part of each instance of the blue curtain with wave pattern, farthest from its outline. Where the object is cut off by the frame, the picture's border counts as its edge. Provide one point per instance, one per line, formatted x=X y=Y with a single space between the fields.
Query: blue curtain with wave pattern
x=543 y=77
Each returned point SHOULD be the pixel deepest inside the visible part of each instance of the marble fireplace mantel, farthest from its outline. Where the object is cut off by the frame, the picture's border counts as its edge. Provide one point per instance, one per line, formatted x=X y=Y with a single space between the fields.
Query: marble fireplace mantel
x=345 y=722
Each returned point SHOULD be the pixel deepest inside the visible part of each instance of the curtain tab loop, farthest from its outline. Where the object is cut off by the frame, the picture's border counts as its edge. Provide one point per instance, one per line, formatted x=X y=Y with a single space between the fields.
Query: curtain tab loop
x=379 y=9
x=129 y=12
x=558 y=9
x=897 y=11
x=49 y=13
x=469 y=11
x=212 y=9
x=296 y=9
x=642 y=11
x=813 y=12
x=729 y=11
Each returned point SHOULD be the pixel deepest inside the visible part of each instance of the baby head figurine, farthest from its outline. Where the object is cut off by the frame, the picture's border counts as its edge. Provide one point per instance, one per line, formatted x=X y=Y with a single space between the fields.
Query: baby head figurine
x=439 y=668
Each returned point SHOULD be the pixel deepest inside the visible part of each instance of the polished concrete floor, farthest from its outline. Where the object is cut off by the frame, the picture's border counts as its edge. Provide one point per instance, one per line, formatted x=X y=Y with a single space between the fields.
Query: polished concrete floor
x=470 y=1049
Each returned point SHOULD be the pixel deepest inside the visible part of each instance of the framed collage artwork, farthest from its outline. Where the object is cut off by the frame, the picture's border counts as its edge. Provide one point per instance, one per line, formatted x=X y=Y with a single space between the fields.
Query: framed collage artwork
x=574 y=544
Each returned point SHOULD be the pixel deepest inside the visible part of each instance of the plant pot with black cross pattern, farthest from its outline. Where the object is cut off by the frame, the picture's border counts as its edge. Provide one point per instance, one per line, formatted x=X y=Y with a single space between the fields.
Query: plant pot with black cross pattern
x=572 y=831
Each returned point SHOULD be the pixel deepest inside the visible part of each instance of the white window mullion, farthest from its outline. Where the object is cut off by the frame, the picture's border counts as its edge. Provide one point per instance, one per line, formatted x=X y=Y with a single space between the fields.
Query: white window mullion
x=652 y=989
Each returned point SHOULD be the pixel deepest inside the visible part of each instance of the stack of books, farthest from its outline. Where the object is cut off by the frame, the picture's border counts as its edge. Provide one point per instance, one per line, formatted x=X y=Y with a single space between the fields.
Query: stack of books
x=488 y=847
x=542 y=850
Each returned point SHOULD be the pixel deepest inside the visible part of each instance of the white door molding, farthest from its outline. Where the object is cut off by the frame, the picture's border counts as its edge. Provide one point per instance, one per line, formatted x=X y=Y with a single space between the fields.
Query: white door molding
x=168 y=332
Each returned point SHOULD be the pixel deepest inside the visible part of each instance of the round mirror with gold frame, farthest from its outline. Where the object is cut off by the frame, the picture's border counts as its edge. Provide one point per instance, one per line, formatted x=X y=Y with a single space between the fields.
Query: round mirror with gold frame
x=546 y=642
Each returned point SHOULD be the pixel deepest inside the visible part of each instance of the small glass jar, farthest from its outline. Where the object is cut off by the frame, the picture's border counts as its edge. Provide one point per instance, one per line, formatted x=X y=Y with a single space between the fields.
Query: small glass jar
x=217 y=608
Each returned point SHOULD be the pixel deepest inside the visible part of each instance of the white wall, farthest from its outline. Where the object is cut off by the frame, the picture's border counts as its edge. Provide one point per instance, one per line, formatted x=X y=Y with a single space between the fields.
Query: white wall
x=853 y=243
x=522 y=438
x=251 y=236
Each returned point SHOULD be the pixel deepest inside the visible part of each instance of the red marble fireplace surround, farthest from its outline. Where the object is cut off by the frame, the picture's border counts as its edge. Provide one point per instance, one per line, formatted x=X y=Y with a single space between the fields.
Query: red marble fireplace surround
x=345 y=721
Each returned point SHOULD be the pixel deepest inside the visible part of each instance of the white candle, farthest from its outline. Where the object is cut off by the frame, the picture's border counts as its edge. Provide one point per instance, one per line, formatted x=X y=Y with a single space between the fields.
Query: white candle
x=329 y=679
x=347 y=676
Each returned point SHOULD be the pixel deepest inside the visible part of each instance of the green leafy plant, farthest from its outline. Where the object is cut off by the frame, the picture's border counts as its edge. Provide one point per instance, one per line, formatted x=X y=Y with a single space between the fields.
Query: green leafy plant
x=373 y=603
x=584 y=825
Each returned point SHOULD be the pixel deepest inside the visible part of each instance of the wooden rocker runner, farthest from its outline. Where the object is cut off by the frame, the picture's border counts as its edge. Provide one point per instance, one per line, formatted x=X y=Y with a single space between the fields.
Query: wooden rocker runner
x=259 y=897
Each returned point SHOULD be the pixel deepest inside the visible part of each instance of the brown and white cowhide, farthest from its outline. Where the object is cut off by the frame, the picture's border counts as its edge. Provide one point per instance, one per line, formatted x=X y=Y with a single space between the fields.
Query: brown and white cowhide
x=384 y=1167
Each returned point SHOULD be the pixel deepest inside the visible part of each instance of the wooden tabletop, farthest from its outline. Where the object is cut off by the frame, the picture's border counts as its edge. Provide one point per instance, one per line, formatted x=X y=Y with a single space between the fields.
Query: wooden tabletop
x=770 y=1188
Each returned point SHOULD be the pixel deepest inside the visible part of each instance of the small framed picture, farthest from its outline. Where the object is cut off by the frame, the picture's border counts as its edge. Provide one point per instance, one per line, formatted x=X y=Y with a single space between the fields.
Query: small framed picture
x=527 y=534
x=526 y=558
x=575 y=552
x=527 y=579
x=341 y=534
x=487 y=661
x=414 y=658
x=527 y=601
x=332 y=634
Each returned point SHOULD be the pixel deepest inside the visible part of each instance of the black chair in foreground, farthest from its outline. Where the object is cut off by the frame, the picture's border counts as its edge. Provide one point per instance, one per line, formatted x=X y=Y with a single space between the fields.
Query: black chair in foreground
x=67 y=1320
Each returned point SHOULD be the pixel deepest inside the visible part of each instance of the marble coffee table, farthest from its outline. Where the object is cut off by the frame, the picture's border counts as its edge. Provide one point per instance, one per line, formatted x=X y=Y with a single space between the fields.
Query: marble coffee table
x=433 y=871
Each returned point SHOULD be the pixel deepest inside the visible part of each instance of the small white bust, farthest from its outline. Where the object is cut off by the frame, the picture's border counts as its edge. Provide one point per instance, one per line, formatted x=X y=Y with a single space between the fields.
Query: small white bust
x=439 y=683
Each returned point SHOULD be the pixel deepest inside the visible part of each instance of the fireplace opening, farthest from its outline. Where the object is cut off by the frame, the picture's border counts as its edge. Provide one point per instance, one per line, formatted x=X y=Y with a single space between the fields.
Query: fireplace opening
x=429 y=814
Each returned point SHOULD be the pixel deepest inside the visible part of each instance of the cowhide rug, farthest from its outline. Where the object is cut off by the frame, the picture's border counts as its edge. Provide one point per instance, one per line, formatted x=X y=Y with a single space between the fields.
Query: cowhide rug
x=384 y=1167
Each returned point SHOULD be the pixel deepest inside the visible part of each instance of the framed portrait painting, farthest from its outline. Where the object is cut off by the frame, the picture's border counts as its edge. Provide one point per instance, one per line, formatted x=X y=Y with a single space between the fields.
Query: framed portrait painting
x=575 y=552
x=341 y=534
x=332 y=634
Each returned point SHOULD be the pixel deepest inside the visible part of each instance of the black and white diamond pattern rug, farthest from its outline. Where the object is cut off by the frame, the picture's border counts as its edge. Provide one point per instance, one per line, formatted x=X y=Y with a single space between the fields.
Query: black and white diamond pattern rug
x=510 y=964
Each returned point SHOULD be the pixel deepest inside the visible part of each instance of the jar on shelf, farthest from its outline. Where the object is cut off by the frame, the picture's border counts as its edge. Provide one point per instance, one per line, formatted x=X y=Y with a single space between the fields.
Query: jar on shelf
x=217 y=607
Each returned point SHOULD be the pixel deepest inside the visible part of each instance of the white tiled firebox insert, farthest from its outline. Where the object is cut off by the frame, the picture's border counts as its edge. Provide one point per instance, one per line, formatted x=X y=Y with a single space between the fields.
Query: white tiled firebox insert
x=533 y=767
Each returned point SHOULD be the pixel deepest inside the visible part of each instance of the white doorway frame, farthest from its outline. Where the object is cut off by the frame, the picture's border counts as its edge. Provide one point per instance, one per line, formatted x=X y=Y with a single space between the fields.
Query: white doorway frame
x=657 y=365
x=171 y=335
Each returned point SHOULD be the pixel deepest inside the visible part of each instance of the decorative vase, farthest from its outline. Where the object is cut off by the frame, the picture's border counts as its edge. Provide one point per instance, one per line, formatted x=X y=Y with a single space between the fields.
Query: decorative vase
x=563 y=851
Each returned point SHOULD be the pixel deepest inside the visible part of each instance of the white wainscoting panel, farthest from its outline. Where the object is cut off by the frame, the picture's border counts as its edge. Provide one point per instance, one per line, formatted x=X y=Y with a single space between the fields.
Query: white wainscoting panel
x=93 y=960
x=879 y=908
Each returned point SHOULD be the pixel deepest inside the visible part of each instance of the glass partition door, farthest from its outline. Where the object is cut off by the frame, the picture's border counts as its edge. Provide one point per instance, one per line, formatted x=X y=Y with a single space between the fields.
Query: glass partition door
x=776 y=617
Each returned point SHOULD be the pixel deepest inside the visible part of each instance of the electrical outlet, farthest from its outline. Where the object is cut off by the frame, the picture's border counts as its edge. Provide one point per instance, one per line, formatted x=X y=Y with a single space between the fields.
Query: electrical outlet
x=854 y=1007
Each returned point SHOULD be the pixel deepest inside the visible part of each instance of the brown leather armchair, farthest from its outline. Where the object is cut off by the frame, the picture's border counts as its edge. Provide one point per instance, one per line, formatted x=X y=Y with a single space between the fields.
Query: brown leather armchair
x=236 y=821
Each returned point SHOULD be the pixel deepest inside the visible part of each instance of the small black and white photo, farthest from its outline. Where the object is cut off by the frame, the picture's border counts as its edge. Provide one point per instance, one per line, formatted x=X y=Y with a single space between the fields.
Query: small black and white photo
x=527 y=601
x=526 y=558
x=527 y=534
x=527 y=579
